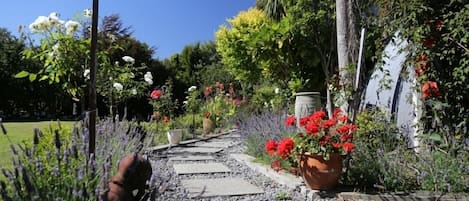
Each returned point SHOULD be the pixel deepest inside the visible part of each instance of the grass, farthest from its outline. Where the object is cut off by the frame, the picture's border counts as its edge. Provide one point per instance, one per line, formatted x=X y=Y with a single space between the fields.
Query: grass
x=20 y=132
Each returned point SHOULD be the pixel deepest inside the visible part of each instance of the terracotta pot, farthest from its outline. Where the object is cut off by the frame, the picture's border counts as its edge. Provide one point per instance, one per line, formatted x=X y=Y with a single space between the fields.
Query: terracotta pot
x=208 y=125
x=294 y=171
x=320 y=174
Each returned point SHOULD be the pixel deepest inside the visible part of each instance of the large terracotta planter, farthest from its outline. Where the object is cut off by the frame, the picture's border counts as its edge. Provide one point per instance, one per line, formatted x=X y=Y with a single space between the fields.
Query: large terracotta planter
x=306 y=103
x=320 y=174
x=208 y=125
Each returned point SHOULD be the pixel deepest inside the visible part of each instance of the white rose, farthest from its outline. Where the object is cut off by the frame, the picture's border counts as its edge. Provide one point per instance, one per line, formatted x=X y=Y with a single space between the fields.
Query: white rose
x=86 y=74
x=128 y=59
x=118 y=86
x=192 y=88
x=134 y=92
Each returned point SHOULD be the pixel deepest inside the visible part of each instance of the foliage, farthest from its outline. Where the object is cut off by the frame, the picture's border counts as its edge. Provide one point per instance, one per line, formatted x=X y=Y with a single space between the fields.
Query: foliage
x=385 y=161
x=192 y=102
x=233 y=45
x=64 y=170
x=269 y=97
x=161 y=100
x=220 y=106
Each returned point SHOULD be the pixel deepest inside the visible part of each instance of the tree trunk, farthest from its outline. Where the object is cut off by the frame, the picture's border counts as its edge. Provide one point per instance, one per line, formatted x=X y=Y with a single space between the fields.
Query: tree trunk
x=345 y=29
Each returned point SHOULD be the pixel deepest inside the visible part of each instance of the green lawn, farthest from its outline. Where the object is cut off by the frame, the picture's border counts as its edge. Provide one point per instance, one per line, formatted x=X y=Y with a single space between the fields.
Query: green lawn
x=18 y=132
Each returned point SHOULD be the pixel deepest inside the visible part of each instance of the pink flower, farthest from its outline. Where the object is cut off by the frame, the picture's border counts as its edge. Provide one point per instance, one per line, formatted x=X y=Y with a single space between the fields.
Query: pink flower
x=156 y=94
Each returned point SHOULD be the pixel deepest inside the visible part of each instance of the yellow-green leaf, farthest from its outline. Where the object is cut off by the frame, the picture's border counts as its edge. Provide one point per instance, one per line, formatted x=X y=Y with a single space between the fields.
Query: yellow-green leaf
x=22 y=74
x=32 y=77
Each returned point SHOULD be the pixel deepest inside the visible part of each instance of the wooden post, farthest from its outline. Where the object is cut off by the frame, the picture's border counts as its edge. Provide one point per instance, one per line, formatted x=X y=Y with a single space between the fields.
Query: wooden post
x=92 y=92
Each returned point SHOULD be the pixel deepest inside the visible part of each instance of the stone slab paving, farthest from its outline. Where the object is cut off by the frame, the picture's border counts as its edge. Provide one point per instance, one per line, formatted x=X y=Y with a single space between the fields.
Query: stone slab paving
x=215 y=144
x=200 y=168
x=195 y=150
x=231 y=135
x=191 y=158
x=219 y=187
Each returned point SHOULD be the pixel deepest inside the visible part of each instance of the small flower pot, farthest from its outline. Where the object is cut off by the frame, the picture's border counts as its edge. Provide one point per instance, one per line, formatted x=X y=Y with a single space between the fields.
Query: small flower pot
x=208 y=125
x=175 y=136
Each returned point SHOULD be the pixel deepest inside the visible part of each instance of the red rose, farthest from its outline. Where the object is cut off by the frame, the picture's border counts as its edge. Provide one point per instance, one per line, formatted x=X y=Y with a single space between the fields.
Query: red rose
x=271 y=147
x=348 y=147
x=285 y=147
x=421 y=65
x=156 y=94
x=290 y=121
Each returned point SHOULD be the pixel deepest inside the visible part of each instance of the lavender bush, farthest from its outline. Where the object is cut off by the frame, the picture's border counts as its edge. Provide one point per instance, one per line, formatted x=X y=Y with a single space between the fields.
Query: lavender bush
x=256 y=129
x=62 y=169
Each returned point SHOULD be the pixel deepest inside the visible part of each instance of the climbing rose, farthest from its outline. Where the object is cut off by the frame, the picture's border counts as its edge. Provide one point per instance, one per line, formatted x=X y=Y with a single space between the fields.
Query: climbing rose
x=290 y=121
x=430 y=88
x=271 y=147
x=156 y=94
x=348 y=147
x=285 y=147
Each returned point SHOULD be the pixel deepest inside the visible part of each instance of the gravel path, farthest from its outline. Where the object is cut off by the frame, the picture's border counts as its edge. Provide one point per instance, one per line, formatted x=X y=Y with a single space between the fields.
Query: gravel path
x=172 y=189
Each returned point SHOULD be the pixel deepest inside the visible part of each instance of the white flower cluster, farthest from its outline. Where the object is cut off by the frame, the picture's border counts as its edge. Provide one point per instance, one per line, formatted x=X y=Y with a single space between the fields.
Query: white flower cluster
x=148 y=78
x=87 y=13
x=43 y=24
x=128 y=59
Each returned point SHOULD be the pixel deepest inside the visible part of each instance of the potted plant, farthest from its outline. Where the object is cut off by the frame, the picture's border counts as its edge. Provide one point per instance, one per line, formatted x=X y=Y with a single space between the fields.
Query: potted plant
x=319 y=146
x=172 y=132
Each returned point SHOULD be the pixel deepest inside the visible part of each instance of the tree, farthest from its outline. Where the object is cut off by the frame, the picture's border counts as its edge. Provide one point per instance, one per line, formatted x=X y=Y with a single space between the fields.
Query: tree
x=233 y=44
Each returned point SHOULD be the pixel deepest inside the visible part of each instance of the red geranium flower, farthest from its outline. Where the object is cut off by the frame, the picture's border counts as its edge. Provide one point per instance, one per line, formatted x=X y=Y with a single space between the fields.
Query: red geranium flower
x=271 y=147
x=304 y=121
x=348 y=147
x=336 y=112
x=312 y=128
x=330 y=122
x=156 y=94
x=285 y=146
x=290 y=121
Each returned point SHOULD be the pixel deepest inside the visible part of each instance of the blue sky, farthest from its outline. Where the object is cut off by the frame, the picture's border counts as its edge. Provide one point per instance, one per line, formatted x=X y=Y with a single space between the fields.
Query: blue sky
x=167 y=25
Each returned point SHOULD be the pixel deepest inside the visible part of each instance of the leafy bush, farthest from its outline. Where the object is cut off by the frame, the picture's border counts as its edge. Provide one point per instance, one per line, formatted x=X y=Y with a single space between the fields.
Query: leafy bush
x=63 y=170
x=383 y=159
